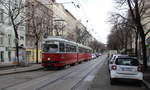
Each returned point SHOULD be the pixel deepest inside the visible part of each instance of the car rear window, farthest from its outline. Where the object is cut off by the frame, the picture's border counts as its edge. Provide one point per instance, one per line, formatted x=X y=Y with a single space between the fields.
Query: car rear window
x=127 y=61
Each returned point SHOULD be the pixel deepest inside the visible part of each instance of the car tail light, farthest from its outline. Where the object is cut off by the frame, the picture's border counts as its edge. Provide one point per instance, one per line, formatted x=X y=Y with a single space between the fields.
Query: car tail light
x=114 y=67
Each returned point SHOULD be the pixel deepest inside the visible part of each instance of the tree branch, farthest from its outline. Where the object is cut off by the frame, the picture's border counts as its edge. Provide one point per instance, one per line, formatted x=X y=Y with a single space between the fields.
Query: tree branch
x=147 y=32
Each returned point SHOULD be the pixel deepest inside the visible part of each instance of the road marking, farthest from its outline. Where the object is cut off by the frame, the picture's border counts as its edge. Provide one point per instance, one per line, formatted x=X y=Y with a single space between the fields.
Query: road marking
x=89 y=78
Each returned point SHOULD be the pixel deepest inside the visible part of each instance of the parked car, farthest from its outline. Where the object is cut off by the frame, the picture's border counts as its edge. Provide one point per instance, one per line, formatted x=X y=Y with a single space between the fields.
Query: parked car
x=100 y=54
x=94 y=56
x=125 y=68
x=114 y=56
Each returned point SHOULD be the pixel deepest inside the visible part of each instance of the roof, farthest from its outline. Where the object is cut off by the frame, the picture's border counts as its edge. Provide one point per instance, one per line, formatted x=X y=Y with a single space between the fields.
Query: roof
x=80 y=45
x=70 y=14
x=59 y=39
x=64 y=40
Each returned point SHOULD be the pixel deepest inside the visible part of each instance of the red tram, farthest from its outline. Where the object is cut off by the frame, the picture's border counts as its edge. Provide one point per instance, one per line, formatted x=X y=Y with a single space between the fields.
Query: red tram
x=59 y=52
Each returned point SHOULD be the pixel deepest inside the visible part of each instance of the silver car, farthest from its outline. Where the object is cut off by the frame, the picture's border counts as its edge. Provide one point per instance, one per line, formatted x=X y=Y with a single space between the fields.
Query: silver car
x=125 y=68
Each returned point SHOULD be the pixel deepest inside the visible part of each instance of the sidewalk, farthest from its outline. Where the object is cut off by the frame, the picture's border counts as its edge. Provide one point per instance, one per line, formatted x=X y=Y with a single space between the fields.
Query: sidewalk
x=14 y=69
x=146 y=77
x=146 y=80
x=5 y=65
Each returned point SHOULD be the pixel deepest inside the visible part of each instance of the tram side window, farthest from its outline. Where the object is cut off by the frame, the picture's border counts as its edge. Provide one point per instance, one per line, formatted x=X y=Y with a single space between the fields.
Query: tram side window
x=62 y=47
x=70 y=48
x=81 y=50
x=74 y=49
x=67 y=48
x=51 y=48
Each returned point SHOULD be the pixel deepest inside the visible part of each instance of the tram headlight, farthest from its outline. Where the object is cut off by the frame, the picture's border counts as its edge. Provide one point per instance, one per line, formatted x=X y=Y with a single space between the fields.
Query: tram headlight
x=49 y=58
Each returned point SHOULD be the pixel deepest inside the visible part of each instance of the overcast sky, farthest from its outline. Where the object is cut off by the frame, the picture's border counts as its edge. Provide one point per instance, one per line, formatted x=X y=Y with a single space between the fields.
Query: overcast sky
x=96 y=12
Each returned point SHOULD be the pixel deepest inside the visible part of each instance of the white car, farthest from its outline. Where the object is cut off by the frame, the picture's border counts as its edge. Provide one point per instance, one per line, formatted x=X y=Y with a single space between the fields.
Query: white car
x=113 y=57
x=125 y=68
x=93 y=56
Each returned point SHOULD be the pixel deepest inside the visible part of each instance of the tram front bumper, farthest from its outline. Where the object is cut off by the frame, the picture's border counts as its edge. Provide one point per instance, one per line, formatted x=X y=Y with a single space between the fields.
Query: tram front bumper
x=52 y=63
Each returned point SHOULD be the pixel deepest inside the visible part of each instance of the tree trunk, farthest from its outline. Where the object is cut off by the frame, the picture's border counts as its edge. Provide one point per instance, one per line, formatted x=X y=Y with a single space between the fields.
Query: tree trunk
x=37 y=52
x=17 y=52
x=126 y=43
x=144 y=53
x=17 y=39
x=137 y=20
x=136 y=44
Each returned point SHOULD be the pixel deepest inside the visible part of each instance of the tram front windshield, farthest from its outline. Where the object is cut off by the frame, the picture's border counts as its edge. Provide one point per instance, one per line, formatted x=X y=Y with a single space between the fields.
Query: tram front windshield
x=50 y=48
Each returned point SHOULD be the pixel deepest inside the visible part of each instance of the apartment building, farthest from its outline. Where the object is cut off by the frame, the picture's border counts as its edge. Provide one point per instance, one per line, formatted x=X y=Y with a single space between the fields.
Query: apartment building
x=7 y=35
x=39 y=26
x=44 y=17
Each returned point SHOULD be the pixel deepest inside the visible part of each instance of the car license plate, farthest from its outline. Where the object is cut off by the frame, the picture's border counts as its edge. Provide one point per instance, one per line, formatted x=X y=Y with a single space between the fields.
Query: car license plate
x=126 y=69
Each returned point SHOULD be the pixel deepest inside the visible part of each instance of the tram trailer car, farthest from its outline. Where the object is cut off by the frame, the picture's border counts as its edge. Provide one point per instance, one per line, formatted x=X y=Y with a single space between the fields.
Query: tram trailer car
x=59 y=52
x=84 y=53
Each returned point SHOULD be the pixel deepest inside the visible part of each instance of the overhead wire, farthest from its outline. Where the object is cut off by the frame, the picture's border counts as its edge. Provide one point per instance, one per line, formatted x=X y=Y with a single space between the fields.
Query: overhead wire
x=88 y=20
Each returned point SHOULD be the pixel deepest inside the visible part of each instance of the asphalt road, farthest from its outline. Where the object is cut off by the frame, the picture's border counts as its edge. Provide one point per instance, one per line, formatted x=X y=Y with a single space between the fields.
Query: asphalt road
x=79 y=77
x=102 y=82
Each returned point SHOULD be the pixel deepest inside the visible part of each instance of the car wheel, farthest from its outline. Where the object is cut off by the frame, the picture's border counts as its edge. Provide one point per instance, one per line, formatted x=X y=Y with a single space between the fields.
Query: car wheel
x=112 y=81
x=139 y=83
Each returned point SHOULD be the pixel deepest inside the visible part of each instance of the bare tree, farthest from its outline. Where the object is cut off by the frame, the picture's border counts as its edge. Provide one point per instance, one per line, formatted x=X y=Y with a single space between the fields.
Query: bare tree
x=97 y=46
x=59 y=28
x=138 y=11
x=71 y=36
x=81 y=35
x=117 y=18
x=15 y=10
x=121 y=35
x=39 y=24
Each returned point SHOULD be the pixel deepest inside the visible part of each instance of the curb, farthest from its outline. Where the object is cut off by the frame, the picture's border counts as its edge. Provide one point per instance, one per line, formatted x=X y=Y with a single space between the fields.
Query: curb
x=146 y=84
x=2 y=74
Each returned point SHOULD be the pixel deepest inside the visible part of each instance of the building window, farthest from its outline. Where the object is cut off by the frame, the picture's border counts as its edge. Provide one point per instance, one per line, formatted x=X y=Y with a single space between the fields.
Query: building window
x=1 y=40
x=15 y=4
x=1 y=15
x=9 y=55
x=9 y=21
x=21 y=38
x=2 y=56
x=9 y=39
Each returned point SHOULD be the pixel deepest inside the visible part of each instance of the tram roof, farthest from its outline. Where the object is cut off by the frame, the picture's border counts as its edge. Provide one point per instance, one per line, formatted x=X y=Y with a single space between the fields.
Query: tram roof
x=64 y=40
x=59 y=39
x=80 y=45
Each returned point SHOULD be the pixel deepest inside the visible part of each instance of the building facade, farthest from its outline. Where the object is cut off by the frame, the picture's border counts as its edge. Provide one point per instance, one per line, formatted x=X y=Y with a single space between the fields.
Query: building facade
x=42 y=18
x=38 y=26
x=7 y=35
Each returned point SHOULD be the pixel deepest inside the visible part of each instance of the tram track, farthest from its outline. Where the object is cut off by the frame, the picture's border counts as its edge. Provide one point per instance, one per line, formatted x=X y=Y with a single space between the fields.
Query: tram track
x=66 y=75
x=54 y=81
x=75 y=87
x=27 y=80
x=60 y=78
x=39 y=88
